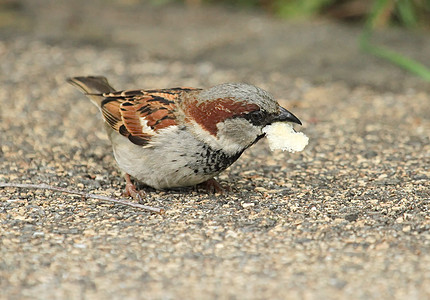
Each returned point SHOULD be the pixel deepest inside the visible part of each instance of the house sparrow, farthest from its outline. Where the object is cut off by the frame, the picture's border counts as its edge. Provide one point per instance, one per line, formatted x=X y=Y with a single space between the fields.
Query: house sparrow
x=167 y=138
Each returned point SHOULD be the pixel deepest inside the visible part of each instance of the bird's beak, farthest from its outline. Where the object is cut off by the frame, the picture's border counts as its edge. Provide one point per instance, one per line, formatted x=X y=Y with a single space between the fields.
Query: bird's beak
x=285 y=116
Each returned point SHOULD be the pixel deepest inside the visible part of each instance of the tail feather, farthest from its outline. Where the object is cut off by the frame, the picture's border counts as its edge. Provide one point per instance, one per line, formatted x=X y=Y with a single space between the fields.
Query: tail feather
x=92 y=86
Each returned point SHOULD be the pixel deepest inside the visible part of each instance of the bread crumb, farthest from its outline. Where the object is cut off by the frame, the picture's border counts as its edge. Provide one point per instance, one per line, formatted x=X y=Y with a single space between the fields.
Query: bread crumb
x=281 y=135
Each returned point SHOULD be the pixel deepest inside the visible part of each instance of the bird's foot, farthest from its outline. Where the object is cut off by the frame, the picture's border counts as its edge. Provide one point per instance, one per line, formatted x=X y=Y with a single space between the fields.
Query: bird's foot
x=212 y=186
x=131 y=190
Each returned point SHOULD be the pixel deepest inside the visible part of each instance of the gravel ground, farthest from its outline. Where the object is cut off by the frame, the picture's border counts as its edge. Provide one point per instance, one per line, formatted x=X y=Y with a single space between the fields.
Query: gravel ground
x=348 y=218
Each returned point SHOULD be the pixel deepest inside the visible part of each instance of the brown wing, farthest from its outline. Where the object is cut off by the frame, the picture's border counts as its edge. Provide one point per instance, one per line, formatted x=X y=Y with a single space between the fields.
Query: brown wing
x=139 y=114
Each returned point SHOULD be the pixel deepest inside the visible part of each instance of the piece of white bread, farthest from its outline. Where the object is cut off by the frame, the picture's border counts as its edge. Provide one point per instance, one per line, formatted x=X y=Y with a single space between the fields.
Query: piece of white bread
x=281 y=135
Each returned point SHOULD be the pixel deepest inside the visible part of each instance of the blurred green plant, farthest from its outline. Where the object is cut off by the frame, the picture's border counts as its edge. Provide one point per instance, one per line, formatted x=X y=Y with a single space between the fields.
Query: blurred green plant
x=374 y=14
x=409 y=13
x=409 y=17
x=299 y=9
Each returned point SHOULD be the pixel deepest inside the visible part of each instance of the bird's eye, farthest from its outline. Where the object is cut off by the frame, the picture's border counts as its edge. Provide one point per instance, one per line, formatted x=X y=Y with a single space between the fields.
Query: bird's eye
x=257 y=117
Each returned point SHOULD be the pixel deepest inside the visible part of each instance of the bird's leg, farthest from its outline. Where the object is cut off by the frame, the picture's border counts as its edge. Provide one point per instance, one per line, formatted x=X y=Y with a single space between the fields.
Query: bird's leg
x=131 y=191
x=212 y=186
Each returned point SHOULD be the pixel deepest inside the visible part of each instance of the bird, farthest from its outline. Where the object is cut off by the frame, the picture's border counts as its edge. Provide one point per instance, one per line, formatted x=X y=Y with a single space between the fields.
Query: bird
x=178 y=137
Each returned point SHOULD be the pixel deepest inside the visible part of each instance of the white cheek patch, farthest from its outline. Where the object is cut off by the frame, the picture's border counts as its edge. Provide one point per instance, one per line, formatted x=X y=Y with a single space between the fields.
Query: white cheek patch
x=145 y=128
x=281 y=135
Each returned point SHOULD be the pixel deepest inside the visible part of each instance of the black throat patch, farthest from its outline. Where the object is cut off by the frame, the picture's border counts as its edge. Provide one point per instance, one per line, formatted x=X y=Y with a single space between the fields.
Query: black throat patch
x=210 y=161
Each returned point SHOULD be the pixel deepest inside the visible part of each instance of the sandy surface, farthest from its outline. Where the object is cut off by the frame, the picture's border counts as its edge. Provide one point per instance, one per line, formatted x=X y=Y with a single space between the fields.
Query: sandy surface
x=348 y=218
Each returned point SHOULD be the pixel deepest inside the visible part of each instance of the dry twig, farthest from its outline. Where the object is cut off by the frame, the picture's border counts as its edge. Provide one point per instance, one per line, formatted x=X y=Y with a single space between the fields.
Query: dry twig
x=83 y=194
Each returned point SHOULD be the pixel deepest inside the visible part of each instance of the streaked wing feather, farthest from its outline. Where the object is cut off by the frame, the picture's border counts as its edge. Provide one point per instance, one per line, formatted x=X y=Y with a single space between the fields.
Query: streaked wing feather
x=139 y=114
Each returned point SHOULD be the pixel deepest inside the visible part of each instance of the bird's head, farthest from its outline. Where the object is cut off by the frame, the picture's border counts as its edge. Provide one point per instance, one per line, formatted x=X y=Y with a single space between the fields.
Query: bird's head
x=231 y=116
